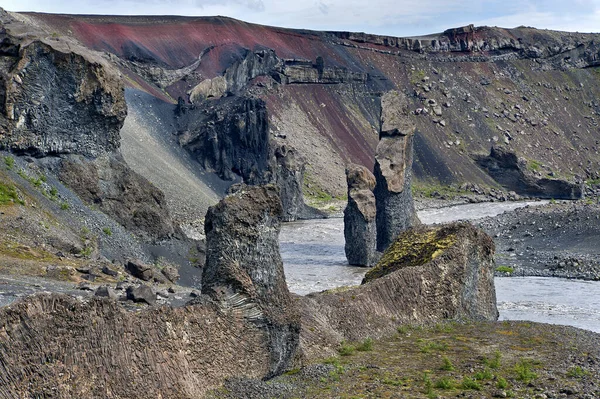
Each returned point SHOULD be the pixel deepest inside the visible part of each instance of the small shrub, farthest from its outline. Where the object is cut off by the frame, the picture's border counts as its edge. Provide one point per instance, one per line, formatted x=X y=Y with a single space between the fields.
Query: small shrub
x=576 y=372
x=107 y=231
x=493 y=363
x=434 y=346
x=501 y=383
x=505 y=269
x=444 y=383
x=447 y=364
x=403 y=330
x=64 y=206
x=86 y=252
x=483 y=375
x=365 y=346
x=346 y=349
x=8 y=195
x=9 y=162
x=523 y=371
x=469 y=383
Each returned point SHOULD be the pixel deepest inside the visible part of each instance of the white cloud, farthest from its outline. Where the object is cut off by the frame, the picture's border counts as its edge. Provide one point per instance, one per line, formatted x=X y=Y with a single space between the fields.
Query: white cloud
x=399 y=17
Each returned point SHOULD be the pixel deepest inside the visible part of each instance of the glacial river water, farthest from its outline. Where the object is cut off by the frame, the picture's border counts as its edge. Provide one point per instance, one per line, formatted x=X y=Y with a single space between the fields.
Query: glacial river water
x=314 y=260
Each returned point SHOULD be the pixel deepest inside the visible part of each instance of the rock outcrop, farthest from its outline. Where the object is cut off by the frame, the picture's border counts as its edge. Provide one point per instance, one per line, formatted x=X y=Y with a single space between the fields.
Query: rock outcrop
x=245 y=323
x=393 y=170
x=244 y=270
x=57 y=102
x=427 y=274
x=524 y=176
x=108 y=183
x=360 y=231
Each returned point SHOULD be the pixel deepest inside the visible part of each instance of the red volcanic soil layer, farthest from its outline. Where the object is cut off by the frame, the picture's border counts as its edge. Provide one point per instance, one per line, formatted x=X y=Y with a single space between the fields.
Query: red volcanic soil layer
x=178 y=41
x=328 y=114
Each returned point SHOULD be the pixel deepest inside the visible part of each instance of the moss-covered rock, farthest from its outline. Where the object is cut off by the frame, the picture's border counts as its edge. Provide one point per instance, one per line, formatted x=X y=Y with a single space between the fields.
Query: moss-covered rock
x=414 y=247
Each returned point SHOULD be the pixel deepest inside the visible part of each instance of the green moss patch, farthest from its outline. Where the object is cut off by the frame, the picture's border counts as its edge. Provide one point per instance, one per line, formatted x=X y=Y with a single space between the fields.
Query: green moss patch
x=414 y=247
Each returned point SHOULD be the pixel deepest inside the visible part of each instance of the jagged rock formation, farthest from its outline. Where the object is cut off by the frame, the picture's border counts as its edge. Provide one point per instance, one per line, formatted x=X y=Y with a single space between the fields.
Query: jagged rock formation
x=108 y=183
x=428 y=273
x=360 y=231
x=56 y=102
x=245 y=323
x=523 y=177
x=231 y=137
x=244 y=270
x=393 y=170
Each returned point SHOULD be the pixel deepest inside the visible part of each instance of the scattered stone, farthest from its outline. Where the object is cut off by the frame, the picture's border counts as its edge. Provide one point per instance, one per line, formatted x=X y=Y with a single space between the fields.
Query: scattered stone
x=106 y=292
x=171 y=273
x=84 y=286
x=109 y=272
x=141 y=293
x=139 y=269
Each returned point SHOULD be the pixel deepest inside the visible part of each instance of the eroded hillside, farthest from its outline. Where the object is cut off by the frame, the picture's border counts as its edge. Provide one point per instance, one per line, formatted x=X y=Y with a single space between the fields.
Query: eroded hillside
x=534 y=91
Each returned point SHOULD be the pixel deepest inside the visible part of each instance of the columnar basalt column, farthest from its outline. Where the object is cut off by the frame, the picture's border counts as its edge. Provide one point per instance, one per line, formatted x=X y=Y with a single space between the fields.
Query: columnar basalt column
x=393 y=170
x=359 y=217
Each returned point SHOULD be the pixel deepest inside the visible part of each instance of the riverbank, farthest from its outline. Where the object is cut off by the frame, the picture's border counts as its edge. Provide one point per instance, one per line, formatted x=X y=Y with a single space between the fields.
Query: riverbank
x=553 y=240
x=472 y=360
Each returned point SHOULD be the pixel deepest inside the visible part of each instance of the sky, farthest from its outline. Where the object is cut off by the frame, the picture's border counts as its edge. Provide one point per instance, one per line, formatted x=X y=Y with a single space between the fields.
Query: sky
x=385 y=17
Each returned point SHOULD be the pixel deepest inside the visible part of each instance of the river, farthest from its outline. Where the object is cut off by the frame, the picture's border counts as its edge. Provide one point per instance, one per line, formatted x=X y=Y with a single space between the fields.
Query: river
x=314 y=260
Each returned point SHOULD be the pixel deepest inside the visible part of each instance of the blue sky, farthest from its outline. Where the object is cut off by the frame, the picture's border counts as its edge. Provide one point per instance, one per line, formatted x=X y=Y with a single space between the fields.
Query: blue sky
x=388 y=17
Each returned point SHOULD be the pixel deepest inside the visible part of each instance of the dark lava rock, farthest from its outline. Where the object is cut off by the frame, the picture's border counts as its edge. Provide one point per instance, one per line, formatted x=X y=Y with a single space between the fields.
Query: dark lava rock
x=142 y=293
x=106 y=292
x=518 y=174
x=393 y=170
x=360 y=231
x=244 y=268
x=109 y=183
x=109 y=272
x=171 y=273
x=139 y=269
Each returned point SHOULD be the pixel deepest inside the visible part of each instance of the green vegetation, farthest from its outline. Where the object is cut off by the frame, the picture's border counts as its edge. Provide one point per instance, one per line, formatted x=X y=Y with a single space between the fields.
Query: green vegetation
x=434 y=346
x=9 y=195
x=501 y=383
x=576 y=372
x=493 y=363
x=436 y=190
x=64 y=206
x=444 y=383
x=483 y=375
x=505 y=269
x=413 y=248
x=9 y=162
x=523 y=371
x=365 y=346
x=346 y=349
x=470 y=383
x=447 y=364
x=417 y=76
x=107 y=231
x=534 y=165
x=592 y=182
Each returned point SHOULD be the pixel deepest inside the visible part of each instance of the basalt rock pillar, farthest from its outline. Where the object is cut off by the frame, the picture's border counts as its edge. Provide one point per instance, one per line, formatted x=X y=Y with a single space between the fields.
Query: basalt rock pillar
x=244 y=270
x=359 y=217
x=393 y=170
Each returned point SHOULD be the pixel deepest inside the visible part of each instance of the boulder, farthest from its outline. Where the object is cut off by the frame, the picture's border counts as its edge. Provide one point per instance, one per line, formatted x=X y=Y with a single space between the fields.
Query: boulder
x=428 y=274
x=244 y=269
x=141 y=293
x=360 y=232
x=106 y=292
x=171 y=273
x=393 y=170
x=139 y=269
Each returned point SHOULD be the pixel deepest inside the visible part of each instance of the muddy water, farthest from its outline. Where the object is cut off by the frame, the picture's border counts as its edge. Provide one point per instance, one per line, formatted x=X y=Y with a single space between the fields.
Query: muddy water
x=314 y=260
